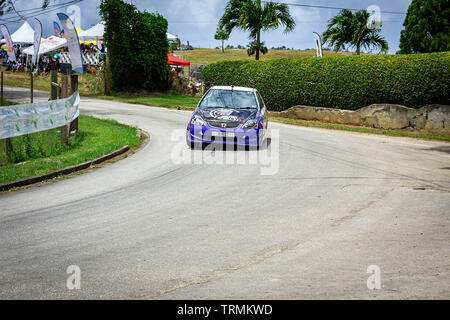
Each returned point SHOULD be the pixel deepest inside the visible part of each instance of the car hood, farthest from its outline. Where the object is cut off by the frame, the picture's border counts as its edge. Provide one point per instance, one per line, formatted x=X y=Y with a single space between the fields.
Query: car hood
x=227 y=115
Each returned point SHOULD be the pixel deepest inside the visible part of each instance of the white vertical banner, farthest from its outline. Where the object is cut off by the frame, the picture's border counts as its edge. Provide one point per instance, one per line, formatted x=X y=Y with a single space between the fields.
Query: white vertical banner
x=72 y=42
x=9 y=44
x=318 y=41
x=37 y=40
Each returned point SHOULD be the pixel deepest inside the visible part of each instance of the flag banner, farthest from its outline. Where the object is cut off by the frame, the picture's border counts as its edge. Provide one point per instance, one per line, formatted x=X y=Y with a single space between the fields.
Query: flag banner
x=57 y=29
x=99 y=44
x=23 y=119
x=318 y=41
x=37 y=41
x=72 y=42
x=9 y=43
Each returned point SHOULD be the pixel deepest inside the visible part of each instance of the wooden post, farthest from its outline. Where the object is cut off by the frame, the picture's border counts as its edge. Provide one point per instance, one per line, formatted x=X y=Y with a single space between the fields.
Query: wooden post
x=31 y=87
x=7 y=140
x=107 y=77
x=64 y=89
x=53 y=88
x=73 y=89
x=73 y=84
x=64 y=85
x=7 y=147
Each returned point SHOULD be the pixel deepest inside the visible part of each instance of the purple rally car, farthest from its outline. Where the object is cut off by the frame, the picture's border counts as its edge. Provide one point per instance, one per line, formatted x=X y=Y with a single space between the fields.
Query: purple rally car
x=230 y=115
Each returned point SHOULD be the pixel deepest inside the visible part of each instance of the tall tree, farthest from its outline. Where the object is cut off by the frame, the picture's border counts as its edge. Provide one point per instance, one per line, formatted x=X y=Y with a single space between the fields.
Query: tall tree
x=352 y=29
x=137 y=47
x=426 y=27
x=252 y=16
x=221 y=34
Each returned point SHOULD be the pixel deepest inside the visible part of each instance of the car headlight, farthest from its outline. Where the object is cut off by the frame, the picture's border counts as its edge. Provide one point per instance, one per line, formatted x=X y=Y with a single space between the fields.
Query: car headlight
x=198 y=121
x=251 y=124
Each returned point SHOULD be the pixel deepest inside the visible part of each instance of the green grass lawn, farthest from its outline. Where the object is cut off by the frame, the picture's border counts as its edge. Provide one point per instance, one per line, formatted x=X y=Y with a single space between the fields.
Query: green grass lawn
x=207 y=56
x=170 y=100
x=88 y=84
x=41 y=152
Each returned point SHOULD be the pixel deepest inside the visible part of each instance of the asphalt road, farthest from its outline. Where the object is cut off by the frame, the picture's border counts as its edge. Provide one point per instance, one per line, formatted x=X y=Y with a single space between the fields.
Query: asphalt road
x=150 y=227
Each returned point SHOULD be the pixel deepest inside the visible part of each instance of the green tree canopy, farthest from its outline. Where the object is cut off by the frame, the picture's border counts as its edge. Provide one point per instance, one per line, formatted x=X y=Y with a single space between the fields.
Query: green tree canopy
x=253 y=46
x=426 y=27
x=348 y=28
x=221 y=34
x=137 y=47
x=252 y=16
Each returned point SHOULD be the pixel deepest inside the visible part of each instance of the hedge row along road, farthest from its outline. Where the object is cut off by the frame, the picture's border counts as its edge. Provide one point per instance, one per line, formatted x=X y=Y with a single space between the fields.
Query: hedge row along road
x=346 y=82
x=145 y=227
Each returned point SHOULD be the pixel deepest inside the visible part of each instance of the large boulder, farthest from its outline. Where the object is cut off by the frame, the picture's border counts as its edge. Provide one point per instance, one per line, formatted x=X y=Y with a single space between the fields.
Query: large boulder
x=436 y=119
x=431 y=119
x=386 y=116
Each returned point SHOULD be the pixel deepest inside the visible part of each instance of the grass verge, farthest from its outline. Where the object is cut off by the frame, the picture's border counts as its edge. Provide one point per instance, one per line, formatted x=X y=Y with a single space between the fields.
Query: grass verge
x=88 y=84
x=359 y=129
x=41 y=152
x=169 y=100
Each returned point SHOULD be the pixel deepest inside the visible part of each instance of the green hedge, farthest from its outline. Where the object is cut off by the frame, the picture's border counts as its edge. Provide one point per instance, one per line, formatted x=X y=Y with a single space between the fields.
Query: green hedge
x=137 y=47
x=344 y=82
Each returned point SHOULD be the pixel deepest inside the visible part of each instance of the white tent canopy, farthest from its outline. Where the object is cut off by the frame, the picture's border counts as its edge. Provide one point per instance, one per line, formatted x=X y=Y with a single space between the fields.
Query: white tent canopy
x=97 y=31
x=23 y=35
x=47 y=45
x=171 y=37
x=94 y=33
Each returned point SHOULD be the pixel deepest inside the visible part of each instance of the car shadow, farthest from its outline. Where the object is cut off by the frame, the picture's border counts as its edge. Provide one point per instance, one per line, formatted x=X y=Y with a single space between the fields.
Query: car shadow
x=444 y=149
x=217 y=146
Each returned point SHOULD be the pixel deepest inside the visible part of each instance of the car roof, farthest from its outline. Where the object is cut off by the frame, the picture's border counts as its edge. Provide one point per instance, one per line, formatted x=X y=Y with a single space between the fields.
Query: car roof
x=235 y=88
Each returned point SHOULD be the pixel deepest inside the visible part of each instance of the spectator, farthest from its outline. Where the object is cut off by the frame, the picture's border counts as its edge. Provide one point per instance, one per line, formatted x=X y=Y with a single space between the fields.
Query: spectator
x=3 y=55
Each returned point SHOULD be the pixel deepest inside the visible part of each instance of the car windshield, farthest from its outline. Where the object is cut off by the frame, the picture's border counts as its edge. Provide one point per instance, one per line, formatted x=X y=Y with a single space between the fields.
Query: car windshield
x=229 y=99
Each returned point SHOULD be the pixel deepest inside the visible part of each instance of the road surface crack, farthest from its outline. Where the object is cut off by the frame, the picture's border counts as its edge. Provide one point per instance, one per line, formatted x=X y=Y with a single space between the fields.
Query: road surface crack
x=259 y=257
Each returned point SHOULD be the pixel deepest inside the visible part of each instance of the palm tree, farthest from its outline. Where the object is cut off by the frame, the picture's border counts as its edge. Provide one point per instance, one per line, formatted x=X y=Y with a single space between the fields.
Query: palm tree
x=253 y=47
x=353 y=29
x=250 y=15
x=221 y=35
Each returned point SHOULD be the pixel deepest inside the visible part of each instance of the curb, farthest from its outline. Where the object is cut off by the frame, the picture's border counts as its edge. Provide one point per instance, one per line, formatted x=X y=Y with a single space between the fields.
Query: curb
x=64 y=171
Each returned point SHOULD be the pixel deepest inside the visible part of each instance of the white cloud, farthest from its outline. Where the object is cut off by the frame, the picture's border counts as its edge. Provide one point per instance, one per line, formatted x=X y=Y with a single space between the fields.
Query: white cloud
x=196 y=20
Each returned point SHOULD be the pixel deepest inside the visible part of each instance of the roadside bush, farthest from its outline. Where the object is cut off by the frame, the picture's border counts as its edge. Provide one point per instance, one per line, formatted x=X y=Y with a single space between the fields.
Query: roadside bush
x=344 y=82
x=36 y=145
x=137 y=47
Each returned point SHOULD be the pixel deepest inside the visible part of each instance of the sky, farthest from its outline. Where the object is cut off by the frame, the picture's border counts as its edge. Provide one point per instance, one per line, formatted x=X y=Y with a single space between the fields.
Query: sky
x=196 y=21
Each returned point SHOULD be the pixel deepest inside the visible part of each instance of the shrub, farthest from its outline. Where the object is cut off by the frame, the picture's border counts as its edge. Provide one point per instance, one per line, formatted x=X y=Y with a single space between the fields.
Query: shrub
x=346 y=82
x=137 y=47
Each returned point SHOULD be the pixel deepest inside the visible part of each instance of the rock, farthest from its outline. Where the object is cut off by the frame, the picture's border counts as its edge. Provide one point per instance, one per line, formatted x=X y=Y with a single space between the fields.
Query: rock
x=431 y=119
x=437 y=119
x=386 y=116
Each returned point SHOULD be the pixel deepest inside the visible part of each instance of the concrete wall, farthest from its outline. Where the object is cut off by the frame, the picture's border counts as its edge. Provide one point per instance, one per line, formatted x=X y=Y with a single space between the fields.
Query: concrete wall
x=432 y=119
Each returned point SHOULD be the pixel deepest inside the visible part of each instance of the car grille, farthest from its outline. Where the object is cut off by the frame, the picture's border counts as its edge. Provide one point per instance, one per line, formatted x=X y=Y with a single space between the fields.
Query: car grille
x=218 y=124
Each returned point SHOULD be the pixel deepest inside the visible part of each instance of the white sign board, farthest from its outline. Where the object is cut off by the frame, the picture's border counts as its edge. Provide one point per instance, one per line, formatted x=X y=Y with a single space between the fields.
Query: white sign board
x=35 y=117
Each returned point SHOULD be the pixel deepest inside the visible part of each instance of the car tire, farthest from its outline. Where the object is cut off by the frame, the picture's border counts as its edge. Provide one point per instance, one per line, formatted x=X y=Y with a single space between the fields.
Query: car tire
x=190 y=144
x=194 y=145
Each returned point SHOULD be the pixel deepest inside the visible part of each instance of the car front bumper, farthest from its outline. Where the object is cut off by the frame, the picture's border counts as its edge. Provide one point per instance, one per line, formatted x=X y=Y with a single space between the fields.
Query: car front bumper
x=245 y=137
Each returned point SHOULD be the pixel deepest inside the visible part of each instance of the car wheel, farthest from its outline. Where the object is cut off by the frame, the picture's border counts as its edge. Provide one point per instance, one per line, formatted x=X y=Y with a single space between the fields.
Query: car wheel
x=190 y=144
